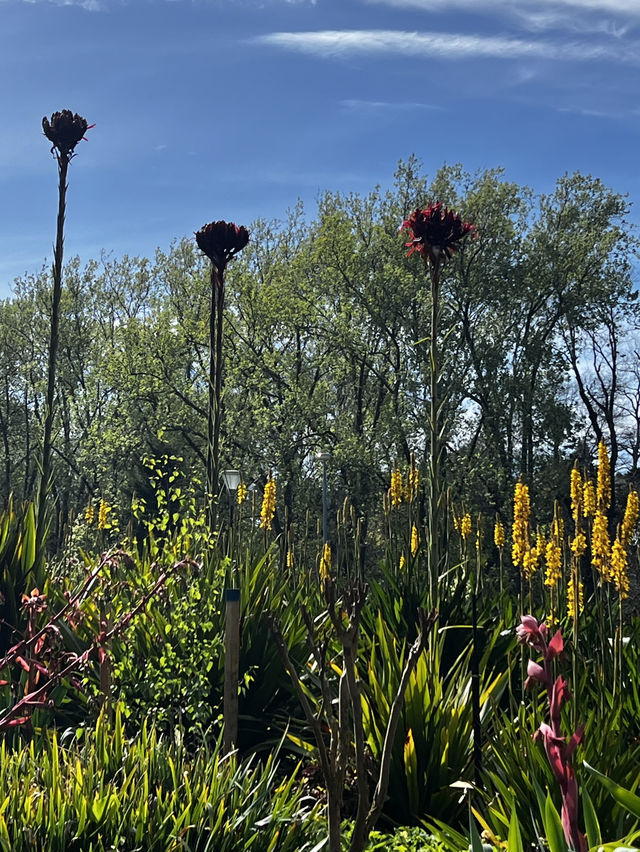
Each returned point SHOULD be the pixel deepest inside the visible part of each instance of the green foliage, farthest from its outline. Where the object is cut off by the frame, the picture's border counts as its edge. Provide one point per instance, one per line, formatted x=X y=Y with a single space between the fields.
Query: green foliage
x=102 y=791
x=437 y=710
x=171 y=666
x=325 y=349
x=21 y=566
x=410 y=839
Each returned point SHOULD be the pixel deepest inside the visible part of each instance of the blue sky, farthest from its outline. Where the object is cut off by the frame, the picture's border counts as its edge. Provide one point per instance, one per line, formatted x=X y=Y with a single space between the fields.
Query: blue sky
x=233 y=109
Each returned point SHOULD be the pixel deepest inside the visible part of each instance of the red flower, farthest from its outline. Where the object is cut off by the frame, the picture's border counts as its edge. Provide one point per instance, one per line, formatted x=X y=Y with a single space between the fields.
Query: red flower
x=64 y=131
x=559 y=694
x=556 y=646
x=436 y=230
x=220 y=241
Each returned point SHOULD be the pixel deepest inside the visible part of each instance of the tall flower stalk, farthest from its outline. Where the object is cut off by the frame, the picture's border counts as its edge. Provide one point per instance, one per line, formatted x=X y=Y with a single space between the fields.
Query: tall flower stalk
x=436 y=233
x=64 y=130
x=559 y=751
x=220 y=241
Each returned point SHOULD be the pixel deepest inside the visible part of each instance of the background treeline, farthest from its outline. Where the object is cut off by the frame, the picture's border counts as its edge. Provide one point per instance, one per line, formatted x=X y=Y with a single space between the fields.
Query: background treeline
x=326 y=350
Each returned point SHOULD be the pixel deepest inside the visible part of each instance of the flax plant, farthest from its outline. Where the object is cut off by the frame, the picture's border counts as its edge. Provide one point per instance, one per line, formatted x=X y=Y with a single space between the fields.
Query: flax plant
x=64 y=130
x=436 y=233
x=220 y=241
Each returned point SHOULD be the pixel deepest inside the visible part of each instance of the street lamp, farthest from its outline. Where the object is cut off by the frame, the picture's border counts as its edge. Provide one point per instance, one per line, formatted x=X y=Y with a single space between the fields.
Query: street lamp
x=231 y=480
x=324 y=458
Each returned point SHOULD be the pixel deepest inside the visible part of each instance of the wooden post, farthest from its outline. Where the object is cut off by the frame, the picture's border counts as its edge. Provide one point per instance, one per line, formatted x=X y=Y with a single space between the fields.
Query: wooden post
x=231 y=667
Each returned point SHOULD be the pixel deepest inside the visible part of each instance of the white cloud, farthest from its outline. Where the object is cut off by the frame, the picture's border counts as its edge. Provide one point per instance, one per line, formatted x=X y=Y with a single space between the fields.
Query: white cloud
x=343 y=43
x=355 y=103
x=544 y=20
x=89 y=5
x=617 y=7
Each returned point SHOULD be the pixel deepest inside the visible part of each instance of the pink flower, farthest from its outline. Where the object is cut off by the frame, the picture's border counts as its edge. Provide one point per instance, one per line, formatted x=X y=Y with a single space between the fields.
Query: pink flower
x=529 y=632
x=556 y=646
x=559 y=754
x=535 y=672
x=559 y=694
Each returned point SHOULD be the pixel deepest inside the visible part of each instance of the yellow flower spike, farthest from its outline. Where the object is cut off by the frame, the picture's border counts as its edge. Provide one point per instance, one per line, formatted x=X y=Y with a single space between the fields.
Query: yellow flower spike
x=290 y=558
x=103 y=511
x=242 y=493
x=603 y=487
x=520 y=531
x=413 y=482
x=396 y=488
x=558 y=528
x=579 y=545
x=415 y=540
x=553 y=557
x=630 y=520
x=571 y=604
x=268 y=510
x=403 y=562
x=577 y=495
x=465 y=526
x=90 y=514
x=600 y=545
x=325 y=561
x=457 y=522
x=619 y=568
x=589 y=499
x=530 y=563
x=498 y=534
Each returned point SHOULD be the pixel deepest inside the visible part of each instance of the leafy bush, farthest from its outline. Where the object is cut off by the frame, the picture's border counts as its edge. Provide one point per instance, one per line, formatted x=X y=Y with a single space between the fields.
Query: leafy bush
x=411 y=839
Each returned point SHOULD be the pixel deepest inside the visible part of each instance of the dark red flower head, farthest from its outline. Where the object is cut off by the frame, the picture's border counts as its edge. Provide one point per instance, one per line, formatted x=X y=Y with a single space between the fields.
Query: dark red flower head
x=64 y=131
x=220 y=241
x=436 y=231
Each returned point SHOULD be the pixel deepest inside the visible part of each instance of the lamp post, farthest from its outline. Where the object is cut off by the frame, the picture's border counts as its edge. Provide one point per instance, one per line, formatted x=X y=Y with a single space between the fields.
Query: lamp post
x=324 y=458
x=231 y=480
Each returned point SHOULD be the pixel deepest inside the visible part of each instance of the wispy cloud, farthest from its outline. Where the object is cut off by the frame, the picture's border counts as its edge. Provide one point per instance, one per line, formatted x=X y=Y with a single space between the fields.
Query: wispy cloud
x=88 y=5
x=356 y=104
x=345 y=43
x=617 y=7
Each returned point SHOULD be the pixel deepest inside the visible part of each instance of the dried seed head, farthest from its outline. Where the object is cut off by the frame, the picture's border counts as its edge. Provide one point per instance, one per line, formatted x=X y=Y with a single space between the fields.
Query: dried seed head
x=64 y=130
x=220 y=241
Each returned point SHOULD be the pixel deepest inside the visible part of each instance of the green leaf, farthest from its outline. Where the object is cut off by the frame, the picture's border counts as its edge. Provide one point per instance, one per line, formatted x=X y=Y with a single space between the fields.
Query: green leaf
x=553 y=827
x=476 y=840
x=623 y=796
x=28 y=552
x=514 y=840
x=411 y=771
x=592 y=825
